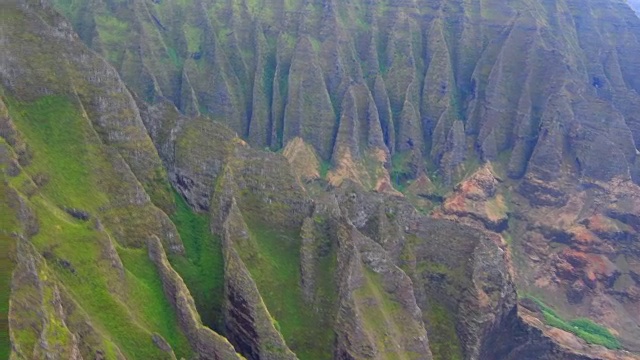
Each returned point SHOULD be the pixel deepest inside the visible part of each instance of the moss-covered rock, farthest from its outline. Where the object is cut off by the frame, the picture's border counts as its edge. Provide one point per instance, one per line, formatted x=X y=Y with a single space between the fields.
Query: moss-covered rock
x=247 y=321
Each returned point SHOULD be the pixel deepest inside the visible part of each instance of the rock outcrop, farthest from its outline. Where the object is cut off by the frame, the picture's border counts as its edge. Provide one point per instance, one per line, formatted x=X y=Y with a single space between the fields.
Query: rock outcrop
x=206 y=343
x=248 y=322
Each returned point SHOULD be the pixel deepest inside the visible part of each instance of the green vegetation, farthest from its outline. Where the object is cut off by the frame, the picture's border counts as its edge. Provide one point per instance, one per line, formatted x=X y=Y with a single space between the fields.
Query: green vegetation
x=193 y=36
x=65 y=7
x=7 y=223
x=440 y=321
x=174 y=57
x=584 y=328
x=112 y=32
x=202 y=267
x=384 y=318
x=64 y=157
x=146 y=293
x=400 y=170
x=128 y=318
x=508 y=238
x=325 y=166
x=76 y=171
x=276 y=271
x=500 y=166
x=443 y=339
x=5 y=282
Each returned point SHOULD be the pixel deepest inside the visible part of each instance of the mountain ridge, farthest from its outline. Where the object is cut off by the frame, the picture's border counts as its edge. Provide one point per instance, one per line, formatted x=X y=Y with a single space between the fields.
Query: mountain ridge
x=418 y=198
x=413 y=85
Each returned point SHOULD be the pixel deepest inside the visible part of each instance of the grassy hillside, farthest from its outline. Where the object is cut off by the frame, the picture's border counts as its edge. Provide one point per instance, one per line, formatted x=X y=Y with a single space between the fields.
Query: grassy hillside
x=202 y=265
x=76 y=171
x=306 y=328
x=586 y=329
x=7 y=243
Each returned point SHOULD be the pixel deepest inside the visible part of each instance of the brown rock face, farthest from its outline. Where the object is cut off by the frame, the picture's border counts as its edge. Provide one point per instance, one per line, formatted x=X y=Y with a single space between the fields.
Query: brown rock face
x=523 y=336
x=477 y=198
x=579 y=253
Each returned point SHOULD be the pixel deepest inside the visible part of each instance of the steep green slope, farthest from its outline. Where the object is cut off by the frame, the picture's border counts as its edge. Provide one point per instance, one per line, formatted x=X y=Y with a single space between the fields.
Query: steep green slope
x=258 y=208
x=85 y=179
x=7 y=268
x=276 y=272
x=379 y=313
x=8 y=223
x=201 y=267
x=128 y=306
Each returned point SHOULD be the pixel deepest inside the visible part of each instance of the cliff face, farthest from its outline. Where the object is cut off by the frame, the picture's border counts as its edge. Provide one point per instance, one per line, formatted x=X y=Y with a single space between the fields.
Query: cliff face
x=444 y=81
x=458 y=180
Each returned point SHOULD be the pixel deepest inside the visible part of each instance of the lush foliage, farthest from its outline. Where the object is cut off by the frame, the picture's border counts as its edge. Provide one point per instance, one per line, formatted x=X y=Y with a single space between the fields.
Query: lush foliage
x=78 y=172
x=400 y=171
x=276 y=271
x=584 y=328
x=7 y=224
x=202 y=266
x=6 y=267
x=443 y=339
